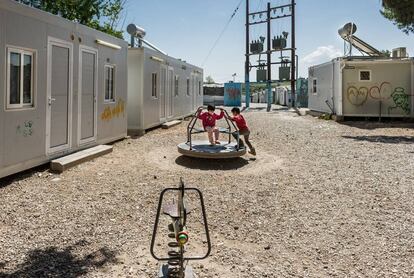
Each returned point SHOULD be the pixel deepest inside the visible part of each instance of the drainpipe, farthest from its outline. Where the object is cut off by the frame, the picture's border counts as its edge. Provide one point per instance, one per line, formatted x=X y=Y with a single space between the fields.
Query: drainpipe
x=341 y=80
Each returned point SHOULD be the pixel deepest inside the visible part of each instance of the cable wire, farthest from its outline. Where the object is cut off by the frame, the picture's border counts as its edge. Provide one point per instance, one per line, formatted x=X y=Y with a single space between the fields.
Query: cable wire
x=222 y=33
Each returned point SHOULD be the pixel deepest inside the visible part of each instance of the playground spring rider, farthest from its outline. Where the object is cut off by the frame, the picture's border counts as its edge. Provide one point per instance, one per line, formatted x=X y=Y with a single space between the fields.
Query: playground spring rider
x=175 y=262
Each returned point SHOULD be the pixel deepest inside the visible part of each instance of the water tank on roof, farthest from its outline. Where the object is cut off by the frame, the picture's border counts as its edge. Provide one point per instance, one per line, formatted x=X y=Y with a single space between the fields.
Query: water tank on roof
x=400 y=52
x=136 y=31
x=347 y=30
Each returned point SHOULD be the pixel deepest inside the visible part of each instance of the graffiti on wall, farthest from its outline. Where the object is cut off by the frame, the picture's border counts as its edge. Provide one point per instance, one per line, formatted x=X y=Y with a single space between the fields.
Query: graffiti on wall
x=357 y=96
x=401 y=100
x=111 y=112
x=26 y=129
x=382 y=92
x=233 y=93
x=397 y=98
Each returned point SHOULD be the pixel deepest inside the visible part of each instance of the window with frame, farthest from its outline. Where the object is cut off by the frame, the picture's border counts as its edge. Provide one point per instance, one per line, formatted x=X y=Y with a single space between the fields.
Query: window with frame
x=364 y=75
x=188 y=86
x=154 y=87
x=176 y=85
x=20 y=77
x=315 y=86
x=109 y=83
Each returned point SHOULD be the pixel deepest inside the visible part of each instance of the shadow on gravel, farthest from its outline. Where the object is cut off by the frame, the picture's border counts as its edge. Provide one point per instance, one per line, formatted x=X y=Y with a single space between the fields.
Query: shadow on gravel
x=4 y=182
x=211 y=164
x=54 y=262
x=383 y=139
x=371 y=125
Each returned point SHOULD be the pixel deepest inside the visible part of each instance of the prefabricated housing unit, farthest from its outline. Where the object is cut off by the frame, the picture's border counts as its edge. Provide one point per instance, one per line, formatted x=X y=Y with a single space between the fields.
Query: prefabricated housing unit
x=160 y=89
x=363 y=87
x=64 y=87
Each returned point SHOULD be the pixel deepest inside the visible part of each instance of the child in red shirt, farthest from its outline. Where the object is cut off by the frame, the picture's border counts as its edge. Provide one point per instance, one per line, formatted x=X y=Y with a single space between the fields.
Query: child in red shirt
x=243 y=129
x=209 y=123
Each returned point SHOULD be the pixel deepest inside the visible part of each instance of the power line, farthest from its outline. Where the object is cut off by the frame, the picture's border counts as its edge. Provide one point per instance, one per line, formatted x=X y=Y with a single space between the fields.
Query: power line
x=222 y=33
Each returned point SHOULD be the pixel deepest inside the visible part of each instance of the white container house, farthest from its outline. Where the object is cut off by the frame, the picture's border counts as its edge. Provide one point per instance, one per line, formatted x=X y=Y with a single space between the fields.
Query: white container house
x=64 y=87
x=363 y=87
x=160 y=89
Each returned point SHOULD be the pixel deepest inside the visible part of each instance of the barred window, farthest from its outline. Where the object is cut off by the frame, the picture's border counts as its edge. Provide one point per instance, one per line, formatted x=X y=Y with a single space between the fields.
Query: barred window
x=109 y=83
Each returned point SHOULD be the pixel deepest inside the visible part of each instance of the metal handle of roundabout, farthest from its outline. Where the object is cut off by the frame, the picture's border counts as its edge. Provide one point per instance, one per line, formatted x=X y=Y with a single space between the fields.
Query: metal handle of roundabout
x=230 y=124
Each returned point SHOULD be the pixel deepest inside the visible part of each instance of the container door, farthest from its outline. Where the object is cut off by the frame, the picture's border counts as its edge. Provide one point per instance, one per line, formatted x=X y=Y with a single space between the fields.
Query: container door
x=87 y=114
x=170 y=103
x=163 y=93
x=59 y=97
x=194 y=91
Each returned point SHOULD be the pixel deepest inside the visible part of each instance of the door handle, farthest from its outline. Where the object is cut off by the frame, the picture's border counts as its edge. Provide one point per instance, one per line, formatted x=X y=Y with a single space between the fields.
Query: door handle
x=51 y=100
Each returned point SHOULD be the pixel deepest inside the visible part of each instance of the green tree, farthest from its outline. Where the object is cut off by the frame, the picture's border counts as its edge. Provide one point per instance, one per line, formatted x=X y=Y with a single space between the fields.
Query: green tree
x=401 y=12
x=102 y=15
x=386 y=53
x=209 y=80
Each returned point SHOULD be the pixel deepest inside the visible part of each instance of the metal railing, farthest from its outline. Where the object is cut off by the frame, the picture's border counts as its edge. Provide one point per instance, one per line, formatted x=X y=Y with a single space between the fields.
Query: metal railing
x=191 y=130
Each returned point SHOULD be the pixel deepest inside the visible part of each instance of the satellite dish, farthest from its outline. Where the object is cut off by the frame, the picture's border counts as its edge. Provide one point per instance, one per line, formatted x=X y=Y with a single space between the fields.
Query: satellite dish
x=347 y=30
x=136 y=31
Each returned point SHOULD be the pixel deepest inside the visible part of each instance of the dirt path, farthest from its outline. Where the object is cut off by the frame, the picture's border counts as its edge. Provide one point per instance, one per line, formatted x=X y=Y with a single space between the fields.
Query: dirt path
x=322 y=200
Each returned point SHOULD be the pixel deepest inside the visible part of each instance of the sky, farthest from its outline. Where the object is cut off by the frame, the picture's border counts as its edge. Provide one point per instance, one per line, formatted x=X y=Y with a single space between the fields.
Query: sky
x=187 y=29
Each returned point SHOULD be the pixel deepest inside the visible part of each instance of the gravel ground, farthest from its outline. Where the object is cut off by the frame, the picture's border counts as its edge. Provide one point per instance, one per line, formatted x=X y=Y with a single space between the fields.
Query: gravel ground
x=322 y=199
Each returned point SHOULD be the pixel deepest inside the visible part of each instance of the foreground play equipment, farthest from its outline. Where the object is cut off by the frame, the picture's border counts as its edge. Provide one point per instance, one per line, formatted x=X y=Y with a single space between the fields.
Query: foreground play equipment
x=203 y=149
x=176 y=266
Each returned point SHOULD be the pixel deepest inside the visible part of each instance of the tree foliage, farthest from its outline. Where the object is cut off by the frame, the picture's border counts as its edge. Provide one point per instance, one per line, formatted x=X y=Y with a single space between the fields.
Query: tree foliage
x=102 y=15
x=401 y=12
x=209 y=80
x=386 y=53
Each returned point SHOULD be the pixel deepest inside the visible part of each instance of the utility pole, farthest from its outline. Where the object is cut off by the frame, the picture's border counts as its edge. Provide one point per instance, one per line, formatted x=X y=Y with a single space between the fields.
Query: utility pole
x=247 y=65
x=269 y=58
x=293 y=76
x=279 y=44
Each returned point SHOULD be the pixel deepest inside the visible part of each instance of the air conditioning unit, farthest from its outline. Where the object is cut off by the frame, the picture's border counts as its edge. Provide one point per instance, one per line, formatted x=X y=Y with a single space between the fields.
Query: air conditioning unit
x=400 y=52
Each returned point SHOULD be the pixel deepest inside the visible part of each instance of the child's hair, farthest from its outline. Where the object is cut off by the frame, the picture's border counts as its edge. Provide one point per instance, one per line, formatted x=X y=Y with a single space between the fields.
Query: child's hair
x=211 y=108
x=236 y=110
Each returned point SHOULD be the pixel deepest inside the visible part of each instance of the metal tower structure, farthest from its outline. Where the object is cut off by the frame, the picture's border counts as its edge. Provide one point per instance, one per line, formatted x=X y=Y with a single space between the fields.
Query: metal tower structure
x=287 y=64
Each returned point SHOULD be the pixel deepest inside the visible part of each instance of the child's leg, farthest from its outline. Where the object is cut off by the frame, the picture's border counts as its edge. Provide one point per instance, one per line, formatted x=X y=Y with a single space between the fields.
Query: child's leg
x=246 y=139
x=210 y=134
x=216 y=134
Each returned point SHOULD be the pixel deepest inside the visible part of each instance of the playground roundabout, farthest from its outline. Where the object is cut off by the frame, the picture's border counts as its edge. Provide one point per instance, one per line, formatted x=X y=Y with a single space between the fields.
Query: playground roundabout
x=203 y=149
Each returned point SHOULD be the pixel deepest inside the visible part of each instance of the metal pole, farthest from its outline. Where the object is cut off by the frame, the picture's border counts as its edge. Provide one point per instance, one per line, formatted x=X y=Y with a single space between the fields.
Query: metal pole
x=297 y=67
x=293 y=73
x=247 y=68
x=269 y=59
x=132 y=41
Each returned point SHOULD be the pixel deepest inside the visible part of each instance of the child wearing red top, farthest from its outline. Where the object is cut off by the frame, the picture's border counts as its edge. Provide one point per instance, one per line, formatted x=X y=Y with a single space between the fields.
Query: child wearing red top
x=243 y=129
x=209 y=119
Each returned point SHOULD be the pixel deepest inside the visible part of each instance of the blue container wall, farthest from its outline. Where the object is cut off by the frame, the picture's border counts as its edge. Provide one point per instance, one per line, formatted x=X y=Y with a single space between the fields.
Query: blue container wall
x=232 y=94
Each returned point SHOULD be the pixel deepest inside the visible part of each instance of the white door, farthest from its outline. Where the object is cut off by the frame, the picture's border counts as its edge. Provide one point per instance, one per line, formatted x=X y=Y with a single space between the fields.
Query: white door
x=194 y=91
x=87 y=100
x=170 y=98
x=59 y=96
x=163 y=93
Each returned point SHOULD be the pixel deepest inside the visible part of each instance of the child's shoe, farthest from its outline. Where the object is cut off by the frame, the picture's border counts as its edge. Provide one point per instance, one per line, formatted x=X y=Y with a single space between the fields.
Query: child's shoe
x=252 y=152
